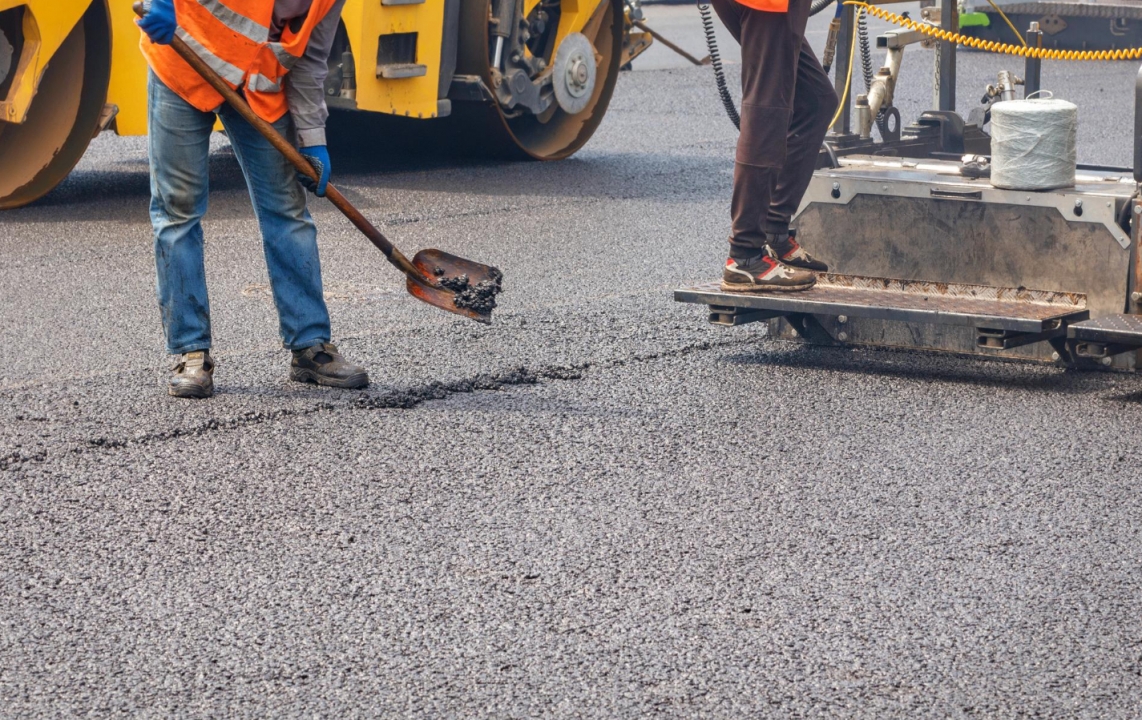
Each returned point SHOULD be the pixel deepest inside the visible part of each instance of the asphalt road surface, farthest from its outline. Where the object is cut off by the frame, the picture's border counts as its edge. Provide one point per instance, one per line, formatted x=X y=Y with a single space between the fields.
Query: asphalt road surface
x=599 y=506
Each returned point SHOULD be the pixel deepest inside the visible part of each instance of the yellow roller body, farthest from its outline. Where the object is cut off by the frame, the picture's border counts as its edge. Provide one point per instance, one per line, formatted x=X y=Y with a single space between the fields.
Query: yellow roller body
x=366 y=22
x=128 y=87
x=76 y=69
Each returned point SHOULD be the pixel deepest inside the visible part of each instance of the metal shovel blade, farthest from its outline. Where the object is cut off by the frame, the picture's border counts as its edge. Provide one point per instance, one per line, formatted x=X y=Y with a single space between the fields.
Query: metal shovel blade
x=459 y=286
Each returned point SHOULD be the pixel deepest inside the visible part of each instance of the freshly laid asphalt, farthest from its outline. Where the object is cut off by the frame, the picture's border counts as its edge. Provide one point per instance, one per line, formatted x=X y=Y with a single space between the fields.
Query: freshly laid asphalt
x=599 y=506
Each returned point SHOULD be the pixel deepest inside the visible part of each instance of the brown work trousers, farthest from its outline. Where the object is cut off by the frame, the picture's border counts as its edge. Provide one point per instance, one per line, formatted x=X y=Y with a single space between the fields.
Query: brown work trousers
x=787 y=103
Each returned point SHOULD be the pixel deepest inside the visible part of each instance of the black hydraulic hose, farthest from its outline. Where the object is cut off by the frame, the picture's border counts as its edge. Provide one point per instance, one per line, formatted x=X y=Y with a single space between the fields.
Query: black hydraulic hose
x=716 y=63
x=865 y=51
x=866 y=66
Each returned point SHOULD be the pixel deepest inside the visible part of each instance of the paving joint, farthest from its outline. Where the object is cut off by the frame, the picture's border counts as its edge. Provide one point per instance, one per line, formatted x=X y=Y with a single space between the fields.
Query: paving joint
x=397 y=399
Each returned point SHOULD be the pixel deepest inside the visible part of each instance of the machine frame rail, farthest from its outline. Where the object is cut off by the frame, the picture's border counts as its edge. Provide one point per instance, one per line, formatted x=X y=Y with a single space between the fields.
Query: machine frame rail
x=1106 y=336
x=1003 y=317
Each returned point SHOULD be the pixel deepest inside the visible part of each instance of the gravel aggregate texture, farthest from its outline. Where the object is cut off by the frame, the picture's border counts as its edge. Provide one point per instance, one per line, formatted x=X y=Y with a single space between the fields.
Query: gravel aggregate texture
x=598 y=506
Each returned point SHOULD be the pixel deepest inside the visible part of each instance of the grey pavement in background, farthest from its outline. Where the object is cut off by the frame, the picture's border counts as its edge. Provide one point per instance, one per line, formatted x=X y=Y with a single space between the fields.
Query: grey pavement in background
x=599 y=506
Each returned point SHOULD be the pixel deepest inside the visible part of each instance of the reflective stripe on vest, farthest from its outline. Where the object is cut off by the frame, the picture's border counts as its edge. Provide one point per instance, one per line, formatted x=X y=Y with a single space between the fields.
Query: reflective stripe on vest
x=252 y=30
x=774 y=6
x=287 y=61
x=230 y=73
x=237 y=46
x=261 y=83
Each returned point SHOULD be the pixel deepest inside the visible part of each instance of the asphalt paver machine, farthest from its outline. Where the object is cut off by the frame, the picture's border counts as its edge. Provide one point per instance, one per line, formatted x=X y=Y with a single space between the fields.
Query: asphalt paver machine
x=929 y=255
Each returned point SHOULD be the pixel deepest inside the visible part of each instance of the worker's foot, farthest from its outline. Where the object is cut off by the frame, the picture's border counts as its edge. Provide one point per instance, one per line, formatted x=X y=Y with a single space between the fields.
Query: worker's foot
x=764 y=274
x=790 y=252
x=192 y=376
x=322 y=364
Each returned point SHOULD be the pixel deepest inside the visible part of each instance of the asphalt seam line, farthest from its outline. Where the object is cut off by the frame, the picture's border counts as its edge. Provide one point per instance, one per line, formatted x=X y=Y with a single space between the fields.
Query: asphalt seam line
x=406 y=399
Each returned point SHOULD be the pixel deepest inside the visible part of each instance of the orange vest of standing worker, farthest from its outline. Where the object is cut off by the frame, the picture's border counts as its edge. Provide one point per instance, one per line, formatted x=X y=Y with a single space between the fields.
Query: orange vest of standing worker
x=237 y=46
x=775 y=6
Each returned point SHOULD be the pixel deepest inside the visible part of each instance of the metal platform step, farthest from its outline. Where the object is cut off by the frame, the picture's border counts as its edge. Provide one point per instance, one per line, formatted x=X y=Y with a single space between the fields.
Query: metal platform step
x=1106 y=336
x=1003 y=317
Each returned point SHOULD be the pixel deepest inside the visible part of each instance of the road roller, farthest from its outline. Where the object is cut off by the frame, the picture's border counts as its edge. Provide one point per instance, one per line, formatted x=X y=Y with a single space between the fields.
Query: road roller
x=518 y=79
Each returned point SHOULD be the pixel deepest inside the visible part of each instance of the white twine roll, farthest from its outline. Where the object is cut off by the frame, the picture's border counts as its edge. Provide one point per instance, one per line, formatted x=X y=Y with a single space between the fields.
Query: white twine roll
x=1033 y=144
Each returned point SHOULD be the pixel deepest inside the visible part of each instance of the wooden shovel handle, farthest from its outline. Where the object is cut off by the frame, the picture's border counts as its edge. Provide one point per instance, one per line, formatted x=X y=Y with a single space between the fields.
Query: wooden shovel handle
x=286 y=148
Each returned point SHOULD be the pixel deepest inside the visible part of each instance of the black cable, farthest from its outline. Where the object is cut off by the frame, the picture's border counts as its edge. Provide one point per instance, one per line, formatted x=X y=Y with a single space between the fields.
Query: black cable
x=865 y=50
x=866 y=67
x=716 y=63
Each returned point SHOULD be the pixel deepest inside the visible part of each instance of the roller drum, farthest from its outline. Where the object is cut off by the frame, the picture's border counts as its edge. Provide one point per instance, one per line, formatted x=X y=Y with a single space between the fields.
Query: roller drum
x=556 y=134
x=37 y=155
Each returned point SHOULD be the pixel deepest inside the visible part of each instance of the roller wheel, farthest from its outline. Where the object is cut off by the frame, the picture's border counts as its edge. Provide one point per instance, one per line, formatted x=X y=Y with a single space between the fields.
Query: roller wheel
x=555 y=134
x=37 y=155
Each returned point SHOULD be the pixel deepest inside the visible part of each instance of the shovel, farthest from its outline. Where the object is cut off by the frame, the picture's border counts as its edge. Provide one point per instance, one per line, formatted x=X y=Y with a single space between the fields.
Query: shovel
x=438 y=278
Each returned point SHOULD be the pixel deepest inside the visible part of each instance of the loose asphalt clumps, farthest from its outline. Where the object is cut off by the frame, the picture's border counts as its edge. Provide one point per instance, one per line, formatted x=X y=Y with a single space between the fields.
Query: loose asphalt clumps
x=480 y=297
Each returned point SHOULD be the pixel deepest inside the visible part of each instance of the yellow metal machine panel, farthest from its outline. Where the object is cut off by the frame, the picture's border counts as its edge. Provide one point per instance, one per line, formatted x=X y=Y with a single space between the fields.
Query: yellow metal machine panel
x=366 y=21
x=574 y=14
x=128 y=87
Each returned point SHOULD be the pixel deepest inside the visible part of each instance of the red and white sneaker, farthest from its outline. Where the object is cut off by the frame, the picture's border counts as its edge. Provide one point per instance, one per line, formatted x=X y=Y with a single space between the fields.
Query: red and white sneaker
x=764 y=274
x=792 y=254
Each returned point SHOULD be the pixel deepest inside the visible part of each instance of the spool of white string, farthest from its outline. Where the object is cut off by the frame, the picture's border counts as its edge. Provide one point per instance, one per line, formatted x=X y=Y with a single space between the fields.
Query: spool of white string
x=1033 y=144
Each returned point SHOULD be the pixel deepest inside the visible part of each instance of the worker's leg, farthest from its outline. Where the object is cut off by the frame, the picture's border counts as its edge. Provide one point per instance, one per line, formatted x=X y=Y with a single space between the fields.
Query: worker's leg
x=289 y=236
x=179 y=149
x=814 y=105
x=770 y=46
x=769 y=50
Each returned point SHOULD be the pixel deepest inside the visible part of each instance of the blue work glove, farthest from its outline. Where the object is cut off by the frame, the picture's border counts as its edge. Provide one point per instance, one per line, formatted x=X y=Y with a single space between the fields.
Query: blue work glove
x=159 y=23
x=318 y=157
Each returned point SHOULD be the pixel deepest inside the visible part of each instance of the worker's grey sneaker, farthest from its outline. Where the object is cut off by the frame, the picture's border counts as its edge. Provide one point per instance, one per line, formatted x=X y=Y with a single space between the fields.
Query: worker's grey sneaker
x=323 y=364
x=192 y=376
x=790 y=252
x=764 y=274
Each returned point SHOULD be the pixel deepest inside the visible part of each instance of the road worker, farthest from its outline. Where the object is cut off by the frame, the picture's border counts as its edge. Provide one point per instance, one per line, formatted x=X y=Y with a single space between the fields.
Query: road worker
x=787 y=104
x=275 y=53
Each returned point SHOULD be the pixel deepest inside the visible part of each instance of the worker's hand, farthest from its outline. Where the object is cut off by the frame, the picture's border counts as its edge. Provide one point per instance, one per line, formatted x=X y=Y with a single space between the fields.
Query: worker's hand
x=318 y=157
x=159 y=23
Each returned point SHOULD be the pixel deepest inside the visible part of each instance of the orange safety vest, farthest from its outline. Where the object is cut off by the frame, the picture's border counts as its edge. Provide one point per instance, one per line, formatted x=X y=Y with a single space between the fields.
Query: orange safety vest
x=237 y=46
x=774 y=6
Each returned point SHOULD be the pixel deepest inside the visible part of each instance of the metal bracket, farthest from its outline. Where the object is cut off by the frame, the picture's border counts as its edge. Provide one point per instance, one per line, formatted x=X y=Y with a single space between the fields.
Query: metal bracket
x=1068 y=354
x=898 y=38
x=987 y=339
x=1100 y=351
x=951 y=128
x=810 y=328
x=399 y=71
x=729 y=316
x=470 y=88
x=106 y=117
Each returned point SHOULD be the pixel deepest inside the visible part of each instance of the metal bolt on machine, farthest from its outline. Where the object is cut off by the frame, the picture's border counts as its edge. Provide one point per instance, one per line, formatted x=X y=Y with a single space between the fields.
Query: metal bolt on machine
x=936 y=258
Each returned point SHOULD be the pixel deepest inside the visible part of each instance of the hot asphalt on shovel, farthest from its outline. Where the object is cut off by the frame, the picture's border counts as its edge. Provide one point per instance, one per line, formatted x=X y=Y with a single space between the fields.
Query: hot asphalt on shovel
x=438 y=278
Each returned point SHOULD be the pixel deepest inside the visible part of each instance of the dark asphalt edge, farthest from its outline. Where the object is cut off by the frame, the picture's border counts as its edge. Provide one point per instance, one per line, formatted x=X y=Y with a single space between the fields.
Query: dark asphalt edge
x=394 y=399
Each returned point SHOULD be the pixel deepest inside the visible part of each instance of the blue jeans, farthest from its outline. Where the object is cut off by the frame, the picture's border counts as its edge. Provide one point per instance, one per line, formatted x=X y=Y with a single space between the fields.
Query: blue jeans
x=179 y=143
